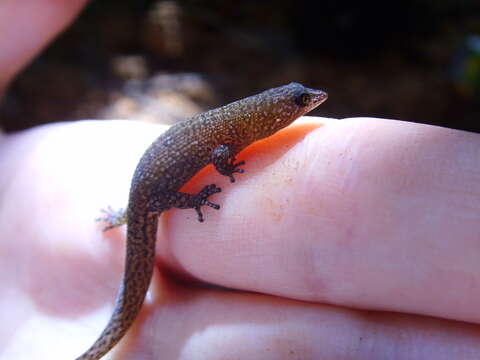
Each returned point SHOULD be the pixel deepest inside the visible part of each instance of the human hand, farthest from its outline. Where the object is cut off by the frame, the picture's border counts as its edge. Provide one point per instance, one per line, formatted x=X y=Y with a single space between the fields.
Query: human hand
x=27 y=27
x=376 y=218
x=363 y=215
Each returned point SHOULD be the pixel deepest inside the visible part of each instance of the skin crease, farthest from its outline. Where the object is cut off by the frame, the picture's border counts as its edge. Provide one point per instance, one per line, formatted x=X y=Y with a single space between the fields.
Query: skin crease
x=392 y=226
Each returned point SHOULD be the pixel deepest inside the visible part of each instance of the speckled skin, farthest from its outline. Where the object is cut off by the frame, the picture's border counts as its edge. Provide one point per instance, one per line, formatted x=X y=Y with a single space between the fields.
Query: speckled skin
x=176 y=156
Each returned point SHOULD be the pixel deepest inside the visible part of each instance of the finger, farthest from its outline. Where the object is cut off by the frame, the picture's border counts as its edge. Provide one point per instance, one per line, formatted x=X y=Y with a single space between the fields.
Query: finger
x=52 y=186
x=26 y=27
x=366 y=213
x=188 y=323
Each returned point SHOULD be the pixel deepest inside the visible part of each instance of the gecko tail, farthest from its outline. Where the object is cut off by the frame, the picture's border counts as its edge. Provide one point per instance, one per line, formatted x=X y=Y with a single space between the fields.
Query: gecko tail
x=139 y=263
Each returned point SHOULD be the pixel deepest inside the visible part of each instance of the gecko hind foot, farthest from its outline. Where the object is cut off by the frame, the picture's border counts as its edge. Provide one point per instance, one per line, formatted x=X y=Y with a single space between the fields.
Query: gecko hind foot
x=182 y=200
x=202 y=199
x=113 y=218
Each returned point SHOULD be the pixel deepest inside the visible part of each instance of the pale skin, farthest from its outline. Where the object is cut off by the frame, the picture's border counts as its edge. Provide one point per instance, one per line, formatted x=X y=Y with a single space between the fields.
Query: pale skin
x=378 y=218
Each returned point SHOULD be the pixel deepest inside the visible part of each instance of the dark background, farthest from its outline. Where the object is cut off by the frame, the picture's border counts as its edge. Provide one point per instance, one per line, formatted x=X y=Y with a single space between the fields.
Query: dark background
x=414 y=60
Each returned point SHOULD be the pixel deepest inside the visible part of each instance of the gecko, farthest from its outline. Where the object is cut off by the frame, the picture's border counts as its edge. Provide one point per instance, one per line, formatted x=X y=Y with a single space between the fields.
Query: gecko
x=215 y=137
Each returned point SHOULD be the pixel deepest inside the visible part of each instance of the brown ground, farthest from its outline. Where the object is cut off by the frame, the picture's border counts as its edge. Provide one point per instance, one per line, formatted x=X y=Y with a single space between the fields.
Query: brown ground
x=166 y=60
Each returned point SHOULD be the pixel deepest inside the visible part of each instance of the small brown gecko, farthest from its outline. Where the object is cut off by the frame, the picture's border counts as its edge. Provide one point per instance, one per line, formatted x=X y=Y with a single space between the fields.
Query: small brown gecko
x=215 y=136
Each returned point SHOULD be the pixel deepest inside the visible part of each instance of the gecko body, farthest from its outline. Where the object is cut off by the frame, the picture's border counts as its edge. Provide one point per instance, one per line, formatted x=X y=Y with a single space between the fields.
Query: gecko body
x=215 y=136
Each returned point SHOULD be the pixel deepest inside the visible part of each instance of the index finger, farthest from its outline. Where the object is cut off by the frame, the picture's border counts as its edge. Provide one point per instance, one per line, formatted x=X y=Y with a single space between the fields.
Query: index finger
x=367 y=213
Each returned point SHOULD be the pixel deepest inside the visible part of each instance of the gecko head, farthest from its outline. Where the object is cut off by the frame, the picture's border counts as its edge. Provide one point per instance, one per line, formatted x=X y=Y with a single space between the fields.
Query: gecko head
x=284 y=104
x=305 y=99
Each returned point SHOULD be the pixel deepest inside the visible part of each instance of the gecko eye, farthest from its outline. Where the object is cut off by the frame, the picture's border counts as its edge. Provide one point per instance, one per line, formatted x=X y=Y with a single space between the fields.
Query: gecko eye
x=303 y=99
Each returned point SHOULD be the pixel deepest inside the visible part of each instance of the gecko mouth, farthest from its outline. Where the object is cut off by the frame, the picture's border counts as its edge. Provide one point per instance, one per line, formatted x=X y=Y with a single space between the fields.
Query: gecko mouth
x=317 y=98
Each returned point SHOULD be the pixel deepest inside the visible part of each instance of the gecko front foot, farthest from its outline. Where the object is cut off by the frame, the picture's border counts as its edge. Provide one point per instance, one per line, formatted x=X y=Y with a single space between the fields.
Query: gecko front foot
x=113 y=218
x=231 y=167
x=223 y=158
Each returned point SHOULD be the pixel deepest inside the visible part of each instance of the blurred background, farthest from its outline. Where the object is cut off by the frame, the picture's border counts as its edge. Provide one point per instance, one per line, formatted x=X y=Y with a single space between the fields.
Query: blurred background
x=163 y=61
